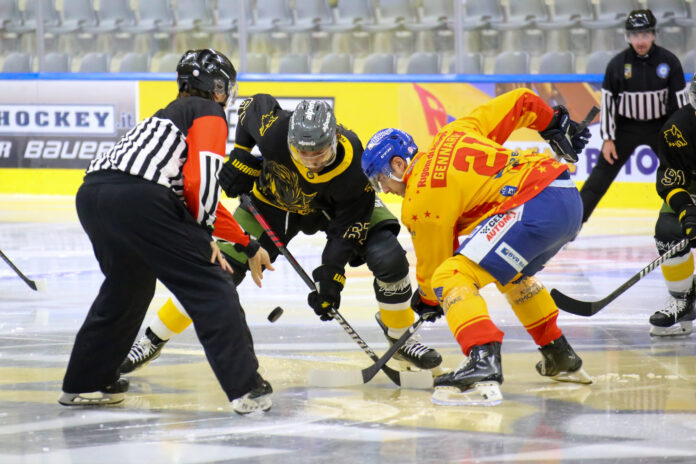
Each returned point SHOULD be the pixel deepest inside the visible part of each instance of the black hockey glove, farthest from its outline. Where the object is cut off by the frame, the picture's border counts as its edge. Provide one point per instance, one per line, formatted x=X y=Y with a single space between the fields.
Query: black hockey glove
x=428 y=312
x=687 y=219
x=563 y=136
x=329 y=281
x=249 y=250
x=238 y=174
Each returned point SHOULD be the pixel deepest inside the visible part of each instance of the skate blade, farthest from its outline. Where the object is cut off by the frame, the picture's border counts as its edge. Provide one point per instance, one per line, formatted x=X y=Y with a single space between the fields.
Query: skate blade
x=579 y=376
x=405 y=366
x=481 y=394
x=91 y=399
x=679 y=329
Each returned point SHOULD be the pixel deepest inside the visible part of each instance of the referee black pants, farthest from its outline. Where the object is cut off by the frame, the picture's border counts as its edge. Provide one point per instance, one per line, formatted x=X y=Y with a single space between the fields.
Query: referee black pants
x=141 y=232
x=629 y=135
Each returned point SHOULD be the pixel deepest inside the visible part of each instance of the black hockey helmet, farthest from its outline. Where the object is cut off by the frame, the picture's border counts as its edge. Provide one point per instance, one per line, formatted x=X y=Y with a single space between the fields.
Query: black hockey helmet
x=207 y=70
x=312 y=134
x=641 y=20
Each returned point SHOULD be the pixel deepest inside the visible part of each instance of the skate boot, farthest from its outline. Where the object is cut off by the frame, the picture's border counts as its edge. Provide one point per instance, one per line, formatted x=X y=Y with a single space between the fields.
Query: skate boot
x=258 y=399
x=676 y=318
x=476 y=382
x=413 y=352
x=559 y=361
x=113 y=394
x=144 y=351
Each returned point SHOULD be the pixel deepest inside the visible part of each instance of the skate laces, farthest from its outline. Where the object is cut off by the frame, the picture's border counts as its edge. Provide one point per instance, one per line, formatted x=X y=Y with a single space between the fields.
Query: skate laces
x=414 y=348
x=676 y=306
x=141 y=350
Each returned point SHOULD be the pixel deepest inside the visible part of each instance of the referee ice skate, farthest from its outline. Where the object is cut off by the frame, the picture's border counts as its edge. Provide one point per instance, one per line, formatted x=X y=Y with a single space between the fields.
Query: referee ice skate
x=643 y=85
x=149 y=207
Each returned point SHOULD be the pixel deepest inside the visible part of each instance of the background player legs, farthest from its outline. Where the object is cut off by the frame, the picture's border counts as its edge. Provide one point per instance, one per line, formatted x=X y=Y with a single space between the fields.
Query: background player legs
x=675 y=318
x=603 y=173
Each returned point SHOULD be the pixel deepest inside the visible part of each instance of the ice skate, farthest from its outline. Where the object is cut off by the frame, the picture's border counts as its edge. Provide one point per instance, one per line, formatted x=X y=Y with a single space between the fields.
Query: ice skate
x=258 y=399
x=476 y=382
x=113 y=394
x=413 y=353
x=144 y=351
x=559 y=361
x=676 y=318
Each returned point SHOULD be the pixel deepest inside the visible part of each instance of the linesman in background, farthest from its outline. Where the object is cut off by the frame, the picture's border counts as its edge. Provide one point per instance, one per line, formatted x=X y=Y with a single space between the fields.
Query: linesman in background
x=676 y=184
x=149 y=207
x=643 y=85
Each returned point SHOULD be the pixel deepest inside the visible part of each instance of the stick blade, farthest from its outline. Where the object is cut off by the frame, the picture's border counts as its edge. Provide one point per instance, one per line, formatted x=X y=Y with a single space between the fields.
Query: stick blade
x=334 y=379
x=573 y=306
x=416 y=380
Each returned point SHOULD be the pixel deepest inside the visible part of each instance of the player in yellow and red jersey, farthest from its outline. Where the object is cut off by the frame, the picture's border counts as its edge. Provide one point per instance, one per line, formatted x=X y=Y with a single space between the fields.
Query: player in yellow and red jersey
x=513 y=211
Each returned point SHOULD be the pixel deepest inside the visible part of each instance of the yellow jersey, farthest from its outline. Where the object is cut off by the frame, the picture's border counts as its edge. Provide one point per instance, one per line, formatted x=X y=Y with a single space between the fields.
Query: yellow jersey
x=467 y=176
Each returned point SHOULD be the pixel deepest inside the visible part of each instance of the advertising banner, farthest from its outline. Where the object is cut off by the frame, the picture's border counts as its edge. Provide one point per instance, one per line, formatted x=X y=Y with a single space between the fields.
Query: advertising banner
x=63 y=124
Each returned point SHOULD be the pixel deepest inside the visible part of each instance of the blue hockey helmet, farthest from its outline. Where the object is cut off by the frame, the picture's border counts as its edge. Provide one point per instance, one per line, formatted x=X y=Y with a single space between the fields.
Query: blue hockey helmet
x=380 y=150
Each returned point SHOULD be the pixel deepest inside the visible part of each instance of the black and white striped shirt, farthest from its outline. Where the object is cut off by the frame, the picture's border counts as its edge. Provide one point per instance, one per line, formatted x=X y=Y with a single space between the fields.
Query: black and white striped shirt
x=641 y=89
x=159 y=147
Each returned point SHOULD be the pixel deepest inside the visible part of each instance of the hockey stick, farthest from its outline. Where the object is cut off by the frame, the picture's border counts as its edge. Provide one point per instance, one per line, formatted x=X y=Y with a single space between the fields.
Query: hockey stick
x=31 y=283
x=589 y=308
x=393 y=375
x=573 y=157
x=588 y=119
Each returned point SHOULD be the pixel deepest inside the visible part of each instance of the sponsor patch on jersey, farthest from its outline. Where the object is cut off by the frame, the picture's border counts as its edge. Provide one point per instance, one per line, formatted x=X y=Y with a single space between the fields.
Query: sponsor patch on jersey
x=438 y=292
x=508 y=190
x=628 y=70
x=512 y=257
x=674 y=137
x=662 y=70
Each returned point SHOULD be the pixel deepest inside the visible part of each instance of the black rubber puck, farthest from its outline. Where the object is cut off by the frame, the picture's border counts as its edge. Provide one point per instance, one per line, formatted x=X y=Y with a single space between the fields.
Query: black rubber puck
x=275 y=314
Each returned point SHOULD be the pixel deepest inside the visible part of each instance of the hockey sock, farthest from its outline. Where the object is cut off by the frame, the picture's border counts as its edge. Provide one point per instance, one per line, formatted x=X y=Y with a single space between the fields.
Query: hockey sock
x=534 y=307
x=394 y=300
x=459 y=280
x=678 y=272
x=171 y=320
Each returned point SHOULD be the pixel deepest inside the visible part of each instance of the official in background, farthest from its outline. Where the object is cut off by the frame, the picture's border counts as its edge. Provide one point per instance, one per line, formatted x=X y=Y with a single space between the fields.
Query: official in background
x=676 y=185
x=149 y=207
x=643 y=85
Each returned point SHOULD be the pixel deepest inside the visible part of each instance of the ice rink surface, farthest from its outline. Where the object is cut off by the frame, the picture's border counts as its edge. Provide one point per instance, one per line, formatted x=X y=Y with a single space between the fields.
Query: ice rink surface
x=641 y=407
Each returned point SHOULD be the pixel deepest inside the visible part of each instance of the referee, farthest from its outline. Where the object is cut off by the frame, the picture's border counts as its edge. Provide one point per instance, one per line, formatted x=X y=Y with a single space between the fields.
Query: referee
x=643 y=85
x=148 y=207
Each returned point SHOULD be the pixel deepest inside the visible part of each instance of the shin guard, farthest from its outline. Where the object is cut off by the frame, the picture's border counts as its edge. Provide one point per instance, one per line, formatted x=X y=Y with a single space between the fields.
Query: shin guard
x=534 y=307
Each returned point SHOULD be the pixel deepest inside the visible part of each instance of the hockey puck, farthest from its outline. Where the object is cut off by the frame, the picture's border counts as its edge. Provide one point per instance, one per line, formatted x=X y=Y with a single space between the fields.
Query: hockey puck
x=275 y=314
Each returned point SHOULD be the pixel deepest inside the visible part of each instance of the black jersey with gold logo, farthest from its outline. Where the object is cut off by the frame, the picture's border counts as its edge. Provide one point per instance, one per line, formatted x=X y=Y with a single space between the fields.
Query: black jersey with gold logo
x=677 y=153
x=340 y=190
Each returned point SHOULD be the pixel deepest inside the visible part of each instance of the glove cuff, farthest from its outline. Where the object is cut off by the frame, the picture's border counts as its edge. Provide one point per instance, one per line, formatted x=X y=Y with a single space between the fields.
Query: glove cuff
x=557 y=121
x=250 y=249
x=679 y=200
x=330 y=273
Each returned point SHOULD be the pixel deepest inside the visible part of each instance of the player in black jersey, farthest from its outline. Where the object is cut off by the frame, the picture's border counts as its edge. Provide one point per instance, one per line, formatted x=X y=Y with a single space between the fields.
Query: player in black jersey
x=643 y=85
x=676 y=184
x=309 y=179
x=149 y=207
